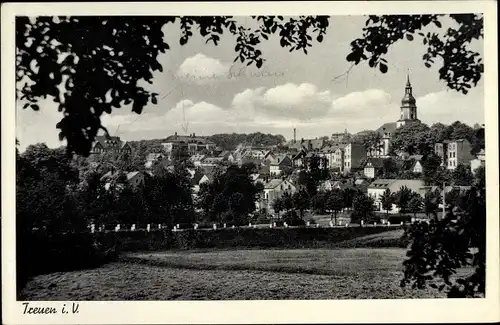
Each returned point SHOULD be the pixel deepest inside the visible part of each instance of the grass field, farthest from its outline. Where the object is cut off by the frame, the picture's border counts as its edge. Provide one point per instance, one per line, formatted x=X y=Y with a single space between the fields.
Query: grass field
x=342 y=273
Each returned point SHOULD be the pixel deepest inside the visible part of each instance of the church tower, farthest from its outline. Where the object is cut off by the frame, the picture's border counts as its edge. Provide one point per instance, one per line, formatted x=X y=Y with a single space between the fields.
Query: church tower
x=408 y=107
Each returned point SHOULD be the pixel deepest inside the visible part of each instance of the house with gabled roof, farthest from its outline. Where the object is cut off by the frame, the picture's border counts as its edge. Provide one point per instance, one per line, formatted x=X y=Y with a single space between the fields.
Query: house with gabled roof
x=373 y=166
x=197 y=158
x=248 y=160
x=227 y=156
x=134 y=179
x=211 y=161
x=377 y=188
x=298 y=158
x=280 y=164
x=274 y=189
x=416 y=164
x=479 y=161
x=106 y=143
x=152 y=158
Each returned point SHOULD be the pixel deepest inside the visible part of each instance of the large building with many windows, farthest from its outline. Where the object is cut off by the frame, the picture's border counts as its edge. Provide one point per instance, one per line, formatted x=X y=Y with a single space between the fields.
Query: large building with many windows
x=190 y=143
x=458 y=152
x=105 y=144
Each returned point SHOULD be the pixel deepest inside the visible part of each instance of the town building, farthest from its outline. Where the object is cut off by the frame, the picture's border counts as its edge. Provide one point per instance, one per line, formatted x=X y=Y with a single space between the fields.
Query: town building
x=299 y=157
x=440 y=151
x=326 y=185
x=372 y=167
x=314 y=145
x=274 y=189
x=280 y=164
x=152 y=158
x=354 y=155
x=106 y=144
x=341 y=138
x=197 y=158
x=385 y=133
x=458 y=152
x=199 y=177
x=269 y=157
x=190 y=143
x=134 y=179
x=338 y=158
x=416 y=164
x=211 y=161
x=227 y=156
x=377 y=188
x=478 y=162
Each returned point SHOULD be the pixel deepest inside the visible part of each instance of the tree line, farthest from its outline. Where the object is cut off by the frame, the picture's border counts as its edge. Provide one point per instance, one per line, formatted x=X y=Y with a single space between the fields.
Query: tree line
x=419 y=139
x=55 y=196
x=230 y=141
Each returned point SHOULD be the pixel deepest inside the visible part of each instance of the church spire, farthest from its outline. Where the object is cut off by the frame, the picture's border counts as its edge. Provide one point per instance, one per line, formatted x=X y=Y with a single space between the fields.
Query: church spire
x=408 y=89
x=408 y=105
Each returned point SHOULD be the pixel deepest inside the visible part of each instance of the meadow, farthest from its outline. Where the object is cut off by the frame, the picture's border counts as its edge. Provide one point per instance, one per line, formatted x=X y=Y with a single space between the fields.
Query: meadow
x=239 y=274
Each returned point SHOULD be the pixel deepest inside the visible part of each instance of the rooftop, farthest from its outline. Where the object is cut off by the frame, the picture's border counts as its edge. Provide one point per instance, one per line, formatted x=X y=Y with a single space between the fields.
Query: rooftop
x=375 y=162
x=387 y=128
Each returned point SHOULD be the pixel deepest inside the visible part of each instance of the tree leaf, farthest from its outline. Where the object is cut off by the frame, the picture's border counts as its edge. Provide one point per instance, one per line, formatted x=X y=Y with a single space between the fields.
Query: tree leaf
x=383 y=68
x=409 y=37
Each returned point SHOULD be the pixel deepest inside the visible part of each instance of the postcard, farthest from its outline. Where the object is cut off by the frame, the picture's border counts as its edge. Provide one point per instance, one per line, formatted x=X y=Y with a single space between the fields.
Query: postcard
x=264 y=162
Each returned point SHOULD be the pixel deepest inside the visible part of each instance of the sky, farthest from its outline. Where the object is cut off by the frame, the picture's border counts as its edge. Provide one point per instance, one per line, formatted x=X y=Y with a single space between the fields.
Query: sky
x=202 y=92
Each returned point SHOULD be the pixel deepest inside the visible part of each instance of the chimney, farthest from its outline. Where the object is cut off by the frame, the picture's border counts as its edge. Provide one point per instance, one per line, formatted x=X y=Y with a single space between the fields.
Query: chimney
x=294 y=135
x=194 y=135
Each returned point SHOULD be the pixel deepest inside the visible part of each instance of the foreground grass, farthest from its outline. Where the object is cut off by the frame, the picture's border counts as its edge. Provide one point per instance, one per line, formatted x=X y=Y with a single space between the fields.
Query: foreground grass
x=339 y=262
x=341 y=273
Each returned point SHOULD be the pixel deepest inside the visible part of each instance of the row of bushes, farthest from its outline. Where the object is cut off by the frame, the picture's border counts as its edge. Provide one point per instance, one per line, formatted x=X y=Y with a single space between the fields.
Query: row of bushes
x=233 y=238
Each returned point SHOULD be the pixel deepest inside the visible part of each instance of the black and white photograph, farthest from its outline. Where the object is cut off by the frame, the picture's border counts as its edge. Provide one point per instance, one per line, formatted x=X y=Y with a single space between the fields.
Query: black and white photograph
x=167 y=157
